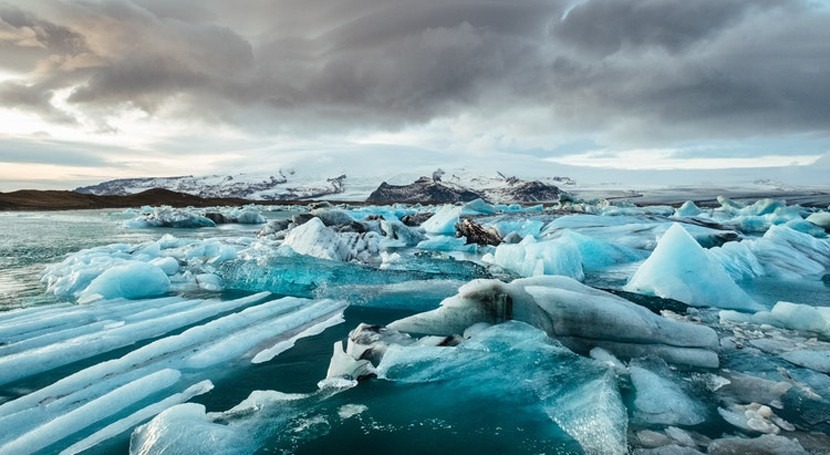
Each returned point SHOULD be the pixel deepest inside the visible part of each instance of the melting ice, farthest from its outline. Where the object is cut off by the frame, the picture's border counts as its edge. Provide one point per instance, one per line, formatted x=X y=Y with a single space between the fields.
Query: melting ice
x=589 y=328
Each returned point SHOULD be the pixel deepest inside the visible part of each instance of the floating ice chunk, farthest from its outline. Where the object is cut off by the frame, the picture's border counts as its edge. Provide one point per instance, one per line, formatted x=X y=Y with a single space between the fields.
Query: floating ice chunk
x=347 y=411
x=787 y=315
x=532 y=258
x=755 y=417
x=344 y=365
x=94 y=411
x=745 y=388
x=313 y=238
x=44 y=358
x=395 y=230
x=689 y=208
x=250 y=216
x=137 y=280
x=209 y=282
x=520 y=226
x=814 y=360
x=443 y=221
x=186 y=429
x=598 y=254
x=332 y=217
x=636 y=232
x=170 y=217
x=580 y=316
x=659 y=400
x=601 y=355
x=782 y=252
x=680 y=269
x=136 y=418
x=169 y=265
x=302 y=275
x=300 y=315
x=821 y=219
x=478 y=207
x=311 y=328
x=767 y=444
x=447 y=243
x=414 y=295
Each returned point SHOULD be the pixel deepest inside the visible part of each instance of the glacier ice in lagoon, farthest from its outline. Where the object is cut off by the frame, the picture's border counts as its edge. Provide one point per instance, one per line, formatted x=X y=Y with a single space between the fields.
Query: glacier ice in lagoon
x=643 y=379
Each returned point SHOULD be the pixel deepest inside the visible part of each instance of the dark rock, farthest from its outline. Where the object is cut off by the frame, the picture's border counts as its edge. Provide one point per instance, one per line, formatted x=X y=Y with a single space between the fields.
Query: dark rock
x=219 y=218
x=416 y=219
x=530 y=191
x=512 y=238
x=425 y=190
x=653 y=303
x=301 y=218
x=475 y=233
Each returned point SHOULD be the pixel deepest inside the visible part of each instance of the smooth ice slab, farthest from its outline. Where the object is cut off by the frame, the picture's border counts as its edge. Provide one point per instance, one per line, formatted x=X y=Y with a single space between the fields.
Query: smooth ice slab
x=138 y=280
x=580 y=316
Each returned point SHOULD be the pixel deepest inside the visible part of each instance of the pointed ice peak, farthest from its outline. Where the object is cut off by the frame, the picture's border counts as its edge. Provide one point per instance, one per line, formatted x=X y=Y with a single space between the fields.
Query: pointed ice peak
x=679 y=268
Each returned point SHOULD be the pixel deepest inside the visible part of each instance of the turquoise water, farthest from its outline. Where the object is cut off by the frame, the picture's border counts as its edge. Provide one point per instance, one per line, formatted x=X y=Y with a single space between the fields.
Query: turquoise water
x=399 y=419
x=457 y=415
x=32 y=240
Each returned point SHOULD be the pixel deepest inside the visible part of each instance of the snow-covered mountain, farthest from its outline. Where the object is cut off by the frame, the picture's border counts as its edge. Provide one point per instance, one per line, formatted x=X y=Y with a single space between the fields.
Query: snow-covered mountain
x=292 y=185
x=282 y=185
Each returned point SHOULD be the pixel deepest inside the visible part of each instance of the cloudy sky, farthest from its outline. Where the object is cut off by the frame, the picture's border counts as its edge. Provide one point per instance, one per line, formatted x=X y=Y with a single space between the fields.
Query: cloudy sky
x=91 y=90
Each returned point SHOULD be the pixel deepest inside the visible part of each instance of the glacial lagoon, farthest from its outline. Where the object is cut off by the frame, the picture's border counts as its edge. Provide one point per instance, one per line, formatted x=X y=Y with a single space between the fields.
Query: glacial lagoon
x=589 y=328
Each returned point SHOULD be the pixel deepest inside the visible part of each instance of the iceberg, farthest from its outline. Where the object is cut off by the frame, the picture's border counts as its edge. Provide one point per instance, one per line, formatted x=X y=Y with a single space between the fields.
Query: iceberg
x=688 y=209
x=821 y=219
x=314 y=238
x=635 y=232
x=782 y=252
x=443 y=221
x=532 y=258
x=301 y=276
x=137 y=280
x=579 y=316
x=169 y=217
x=679 y=268
x=788 y=316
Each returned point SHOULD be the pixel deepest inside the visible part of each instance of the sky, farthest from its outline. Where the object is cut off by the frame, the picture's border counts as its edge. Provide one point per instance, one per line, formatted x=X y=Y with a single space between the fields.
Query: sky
x=97 y=89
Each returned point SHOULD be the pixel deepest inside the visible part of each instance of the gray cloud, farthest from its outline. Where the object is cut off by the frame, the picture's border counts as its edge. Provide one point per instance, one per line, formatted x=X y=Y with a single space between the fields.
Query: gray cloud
x=604 y=27
x=643 y=71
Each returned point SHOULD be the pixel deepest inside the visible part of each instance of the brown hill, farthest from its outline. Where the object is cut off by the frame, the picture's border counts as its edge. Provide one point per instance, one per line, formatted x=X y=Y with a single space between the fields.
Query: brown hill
x=70 y=200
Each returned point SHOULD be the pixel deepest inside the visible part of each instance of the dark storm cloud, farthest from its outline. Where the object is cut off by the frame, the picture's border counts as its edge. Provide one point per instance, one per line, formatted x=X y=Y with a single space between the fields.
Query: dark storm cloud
x=641 y=70
x=606 y=26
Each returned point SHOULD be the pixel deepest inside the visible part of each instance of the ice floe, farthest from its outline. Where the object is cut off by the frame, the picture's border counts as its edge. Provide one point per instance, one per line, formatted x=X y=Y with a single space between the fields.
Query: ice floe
x=580 y=316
